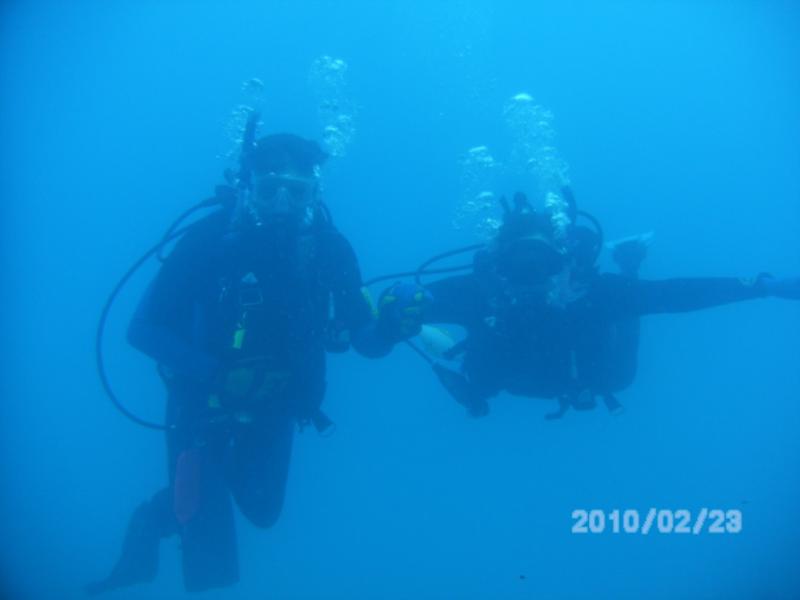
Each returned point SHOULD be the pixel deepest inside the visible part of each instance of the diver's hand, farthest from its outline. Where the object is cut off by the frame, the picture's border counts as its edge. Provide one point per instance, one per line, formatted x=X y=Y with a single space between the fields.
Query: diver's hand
x=788 y=288
x=401 y=310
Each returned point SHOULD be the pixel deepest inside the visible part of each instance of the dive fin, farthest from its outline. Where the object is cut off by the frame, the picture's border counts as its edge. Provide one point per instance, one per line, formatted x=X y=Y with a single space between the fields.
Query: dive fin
x=139 y=560
x=461 y=390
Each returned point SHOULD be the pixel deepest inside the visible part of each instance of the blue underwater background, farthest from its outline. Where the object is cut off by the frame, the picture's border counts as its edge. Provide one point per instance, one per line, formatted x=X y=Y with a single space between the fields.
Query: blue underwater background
x=681 y=118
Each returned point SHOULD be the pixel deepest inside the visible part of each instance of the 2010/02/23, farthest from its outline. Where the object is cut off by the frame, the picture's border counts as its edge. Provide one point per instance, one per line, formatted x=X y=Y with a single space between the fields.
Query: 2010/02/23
x=714 y=521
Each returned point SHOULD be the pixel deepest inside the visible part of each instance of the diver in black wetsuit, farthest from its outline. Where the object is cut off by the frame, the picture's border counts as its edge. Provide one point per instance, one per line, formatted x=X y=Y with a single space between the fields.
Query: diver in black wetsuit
x=239 y=319
x=541 y=320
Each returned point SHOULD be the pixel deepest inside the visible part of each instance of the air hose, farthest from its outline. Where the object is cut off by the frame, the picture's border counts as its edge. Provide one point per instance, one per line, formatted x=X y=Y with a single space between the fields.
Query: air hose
x=174 y=232
x=423 y=268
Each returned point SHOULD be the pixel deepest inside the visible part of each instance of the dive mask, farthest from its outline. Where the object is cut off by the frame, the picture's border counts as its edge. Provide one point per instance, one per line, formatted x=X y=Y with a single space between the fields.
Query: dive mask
x=282 y=194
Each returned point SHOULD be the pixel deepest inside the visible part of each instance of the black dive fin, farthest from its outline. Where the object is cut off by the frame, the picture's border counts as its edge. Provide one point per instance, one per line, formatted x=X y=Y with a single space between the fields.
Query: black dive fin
x=139 y=560
x=460 y=389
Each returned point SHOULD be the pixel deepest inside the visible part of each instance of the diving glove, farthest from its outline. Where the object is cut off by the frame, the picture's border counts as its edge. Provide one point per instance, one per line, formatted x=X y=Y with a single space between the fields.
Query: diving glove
x=401 y=310
x=629 y=252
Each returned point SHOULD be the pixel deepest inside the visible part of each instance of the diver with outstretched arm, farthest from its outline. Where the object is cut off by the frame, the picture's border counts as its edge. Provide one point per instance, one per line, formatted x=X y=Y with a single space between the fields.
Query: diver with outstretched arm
x=542 y=321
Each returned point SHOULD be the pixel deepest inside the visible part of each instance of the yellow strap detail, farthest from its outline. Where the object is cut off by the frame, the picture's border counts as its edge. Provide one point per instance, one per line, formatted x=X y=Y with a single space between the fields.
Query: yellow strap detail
x=238 y=338
x=368 y=298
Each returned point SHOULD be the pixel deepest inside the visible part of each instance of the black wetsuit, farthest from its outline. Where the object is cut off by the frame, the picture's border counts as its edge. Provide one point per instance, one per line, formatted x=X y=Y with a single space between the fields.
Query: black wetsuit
x=254 y=297
x=519 y=343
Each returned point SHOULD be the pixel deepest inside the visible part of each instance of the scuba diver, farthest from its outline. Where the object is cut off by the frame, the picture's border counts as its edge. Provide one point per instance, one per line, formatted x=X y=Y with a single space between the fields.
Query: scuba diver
x=239 y=318
x=541 y=320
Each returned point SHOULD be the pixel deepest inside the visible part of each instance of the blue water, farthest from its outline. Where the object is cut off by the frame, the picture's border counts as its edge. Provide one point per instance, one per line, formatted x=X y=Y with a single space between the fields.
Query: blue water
x=678 y=117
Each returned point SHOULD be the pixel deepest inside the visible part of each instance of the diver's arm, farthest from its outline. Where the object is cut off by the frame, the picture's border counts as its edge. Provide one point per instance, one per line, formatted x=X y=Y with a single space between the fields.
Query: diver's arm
x=148 y=334
x=165 y=315
x=370 y=340
x=625 y=297
x=457 y=300
x=351 y=306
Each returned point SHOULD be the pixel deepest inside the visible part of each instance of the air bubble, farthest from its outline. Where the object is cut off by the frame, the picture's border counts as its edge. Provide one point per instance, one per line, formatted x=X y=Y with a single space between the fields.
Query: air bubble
x=477 y=208
x=328 y=81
